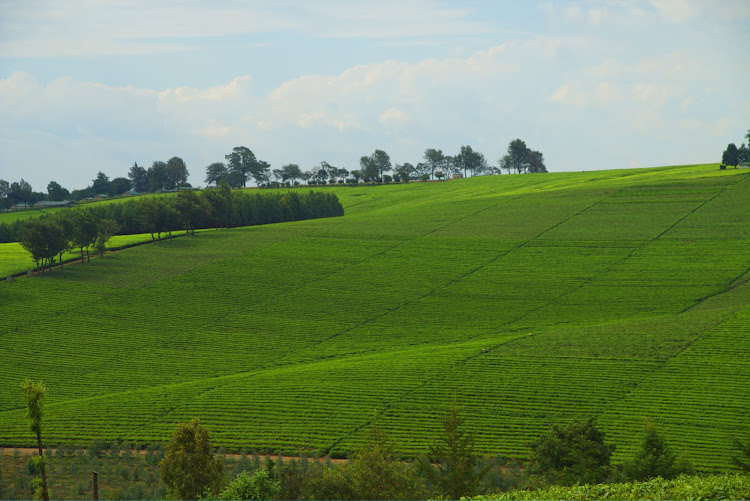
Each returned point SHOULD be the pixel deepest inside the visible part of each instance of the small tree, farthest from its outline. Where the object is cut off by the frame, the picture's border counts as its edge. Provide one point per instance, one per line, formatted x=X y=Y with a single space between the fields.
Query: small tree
x=257 y=486
x=376 y=473
x=455 y=471
x=189 y=468
x=654 y=459
x=730 y=155
x=570 y=454
x=107 y=229
x=34 y=393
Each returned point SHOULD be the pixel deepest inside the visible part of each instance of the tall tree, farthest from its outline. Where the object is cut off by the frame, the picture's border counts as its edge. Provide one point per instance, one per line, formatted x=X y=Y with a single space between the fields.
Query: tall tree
x=470 y=161
x=44 y=239
x=4 y=192
x=189 y=468
x=382 y=162
x=452 y=463
x=536 y=162
x=368 y=169
x=56 y=192
x=101 y=183
x=730 y=155
x=158 y=176
x=34 y=393
x=120 y=185
x=242 y=161
x=85 y=230
x=20 y=192
x=107 y=228
x=404 y=172
x=519 y=156
x=433 y=160
x=177 y=172
x=290 y=172
x=139 y=176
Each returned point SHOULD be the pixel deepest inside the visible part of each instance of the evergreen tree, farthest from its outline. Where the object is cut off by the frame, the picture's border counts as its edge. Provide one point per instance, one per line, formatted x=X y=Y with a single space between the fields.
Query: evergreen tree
x=654 y=458
x=455 y=471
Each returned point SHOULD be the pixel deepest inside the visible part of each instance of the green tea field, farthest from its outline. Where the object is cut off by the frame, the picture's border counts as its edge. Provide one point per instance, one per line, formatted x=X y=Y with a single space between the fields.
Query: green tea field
x=531 y=299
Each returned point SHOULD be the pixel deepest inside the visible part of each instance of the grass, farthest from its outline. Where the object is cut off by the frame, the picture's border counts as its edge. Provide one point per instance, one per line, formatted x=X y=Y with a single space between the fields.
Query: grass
x=684 y=487
x=533 y=300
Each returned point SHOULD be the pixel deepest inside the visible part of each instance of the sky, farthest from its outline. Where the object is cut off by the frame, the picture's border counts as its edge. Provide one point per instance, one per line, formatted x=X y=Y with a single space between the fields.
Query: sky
x=93 y=85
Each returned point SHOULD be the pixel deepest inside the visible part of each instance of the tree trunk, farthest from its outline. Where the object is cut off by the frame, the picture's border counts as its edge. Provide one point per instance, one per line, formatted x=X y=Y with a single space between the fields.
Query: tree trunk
x=61 y=261
x=43 y=467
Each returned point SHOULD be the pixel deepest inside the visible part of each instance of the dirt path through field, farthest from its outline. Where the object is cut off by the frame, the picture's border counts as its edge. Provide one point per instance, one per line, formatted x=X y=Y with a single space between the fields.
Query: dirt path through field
x=29 y=451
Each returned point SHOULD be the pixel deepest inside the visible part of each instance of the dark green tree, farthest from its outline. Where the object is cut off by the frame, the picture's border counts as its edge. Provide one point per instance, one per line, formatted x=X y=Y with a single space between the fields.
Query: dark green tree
x=570 y=454
x=56 y=192
x=101 y=183
x=471 y=161
x=536 y=162
x=139 y=177
x=33 y=394
x=242 y=161
x=382 y=162
x=214 y=172
x=290 y=172
x=20 y=192
x=120 y=185
x=189 y=468
x=433 y=160
x=177 y=172
x=404 y=172
x=743 y=154
x=158 y=176
x=452 y=464
x=107 y=228
x=85 y=230
x=368 y=169
x=730 y=155
x=44 y=239
x=654 y=458
x=192 y=209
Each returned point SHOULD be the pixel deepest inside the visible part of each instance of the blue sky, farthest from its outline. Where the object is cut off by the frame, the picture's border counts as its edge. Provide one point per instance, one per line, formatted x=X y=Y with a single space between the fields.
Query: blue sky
x=88 y=86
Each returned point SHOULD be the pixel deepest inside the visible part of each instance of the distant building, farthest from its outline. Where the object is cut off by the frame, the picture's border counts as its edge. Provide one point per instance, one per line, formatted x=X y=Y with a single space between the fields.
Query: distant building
x=101 y=196
x=22 y=206
x=457 y=176
x=46 y=204
x=130 y=193
x=744 y=165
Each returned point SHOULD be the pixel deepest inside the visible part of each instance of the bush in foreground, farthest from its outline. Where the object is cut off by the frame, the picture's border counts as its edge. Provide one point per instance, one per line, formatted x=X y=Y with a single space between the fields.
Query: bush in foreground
x=732 y=486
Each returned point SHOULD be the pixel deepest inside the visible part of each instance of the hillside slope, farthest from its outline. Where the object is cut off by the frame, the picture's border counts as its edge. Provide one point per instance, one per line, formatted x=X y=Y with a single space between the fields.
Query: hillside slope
x=532 y=299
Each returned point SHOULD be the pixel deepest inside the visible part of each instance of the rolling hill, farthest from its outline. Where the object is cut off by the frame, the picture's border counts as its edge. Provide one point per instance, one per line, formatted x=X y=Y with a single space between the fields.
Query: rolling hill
x=531 y=299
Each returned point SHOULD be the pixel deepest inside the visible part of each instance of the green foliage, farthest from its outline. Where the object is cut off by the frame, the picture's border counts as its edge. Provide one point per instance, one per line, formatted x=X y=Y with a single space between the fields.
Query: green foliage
x=732 y=486
x=257 y=486
x=576 y=453
x=654 y=458
x=455 y=472
x=189 y=468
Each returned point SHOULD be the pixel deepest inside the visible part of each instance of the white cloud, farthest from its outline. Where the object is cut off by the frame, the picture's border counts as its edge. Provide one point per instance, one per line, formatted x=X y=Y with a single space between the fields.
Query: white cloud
x=83 y=28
